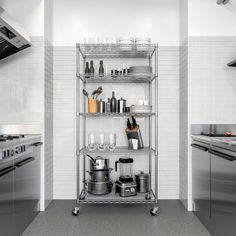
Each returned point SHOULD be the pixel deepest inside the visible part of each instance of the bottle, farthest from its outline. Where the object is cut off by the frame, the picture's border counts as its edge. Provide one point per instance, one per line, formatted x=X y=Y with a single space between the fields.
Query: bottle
x=101 y=69
x=108 y=105
x=91 y=69
x=87 y=70
x=113 y=102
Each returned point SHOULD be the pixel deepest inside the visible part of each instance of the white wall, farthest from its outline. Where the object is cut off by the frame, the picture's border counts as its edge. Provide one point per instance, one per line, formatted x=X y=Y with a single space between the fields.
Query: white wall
x=28 y=13
x=206 y=18
x=48 y=20
x=183 y=21
x=158 y=19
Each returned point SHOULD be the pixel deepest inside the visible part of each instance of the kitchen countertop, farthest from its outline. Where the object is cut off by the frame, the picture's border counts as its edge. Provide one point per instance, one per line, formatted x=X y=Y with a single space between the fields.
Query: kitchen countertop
x=26 y=139
x=223 y=142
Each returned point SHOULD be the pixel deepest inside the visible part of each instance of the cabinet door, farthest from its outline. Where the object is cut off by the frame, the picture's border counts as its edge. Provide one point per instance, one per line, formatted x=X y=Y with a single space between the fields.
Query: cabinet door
x=201 y=184
x=6 y=200
x=223 y=205
x=26 y=191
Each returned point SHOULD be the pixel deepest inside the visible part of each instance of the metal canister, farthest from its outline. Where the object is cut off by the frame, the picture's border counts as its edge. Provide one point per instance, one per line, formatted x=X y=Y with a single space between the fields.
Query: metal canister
x=102 y=106
x=143 y=182
x=121 y=105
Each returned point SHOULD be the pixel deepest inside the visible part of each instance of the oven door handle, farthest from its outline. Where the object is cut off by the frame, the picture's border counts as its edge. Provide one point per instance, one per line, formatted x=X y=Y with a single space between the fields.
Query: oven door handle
x=222 y=155
x=37 y=144
x=199 y=147
x=7 y=170
x=24 y=162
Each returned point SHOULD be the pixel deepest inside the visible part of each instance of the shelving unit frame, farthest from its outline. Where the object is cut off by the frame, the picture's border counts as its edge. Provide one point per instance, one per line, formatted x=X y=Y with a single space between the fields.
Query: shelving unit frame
x=114 y=51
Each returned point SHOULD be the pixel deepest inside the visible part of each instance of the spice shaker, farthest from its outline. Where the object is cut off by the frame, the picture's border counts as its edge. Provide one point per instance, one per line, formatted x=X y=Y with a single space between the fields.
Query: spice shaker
x=121 y=105
x=101 y=105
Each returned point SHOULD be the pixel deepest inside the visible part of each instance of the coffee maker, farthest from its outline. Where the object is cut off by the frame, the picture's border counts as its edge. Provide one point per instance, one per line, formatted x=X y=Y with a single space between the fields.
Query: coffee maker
x=125 y=186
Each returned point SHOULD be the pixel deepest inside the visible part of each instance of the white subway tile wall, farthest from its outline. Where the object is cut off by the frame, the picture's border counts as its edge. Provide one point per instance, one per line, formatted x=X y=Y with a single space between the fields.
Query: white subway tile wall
x=65 y=121
x=212 y=85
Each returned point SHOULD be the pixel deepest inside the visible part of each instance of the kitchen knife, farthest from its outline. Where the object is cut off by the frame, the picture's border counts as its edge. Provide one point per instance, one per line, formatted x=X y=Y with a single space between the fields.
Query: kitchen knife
x=134 y=122
x=129 y=126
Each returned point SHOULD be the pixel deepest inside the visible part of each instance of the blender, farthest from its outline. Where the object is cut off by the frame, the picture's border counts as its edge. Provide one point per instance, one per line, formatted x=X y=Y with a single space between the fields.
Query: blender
x=125 y=186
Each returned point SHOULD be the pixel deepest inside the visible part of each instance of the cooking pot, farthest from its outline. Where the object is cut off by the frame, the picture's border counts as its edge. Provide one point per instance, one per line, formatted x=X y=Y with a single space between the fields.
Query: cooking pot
x=99 y=188
x=99 y=163
x=100 y=175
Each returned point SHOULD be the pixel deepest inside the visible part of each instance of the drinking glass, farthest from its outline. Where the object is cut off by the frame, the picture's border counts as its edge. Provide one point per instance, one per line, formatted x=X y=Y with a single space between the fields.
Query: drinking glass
x=101 y=142
x=111 y=142
x=91 y=142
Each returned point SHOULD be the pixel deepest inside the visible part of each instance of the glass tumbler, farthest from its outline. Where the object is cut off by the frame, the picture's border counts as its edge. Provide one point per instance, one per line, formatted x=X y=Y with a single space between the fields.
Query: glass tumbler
x=91 y=142
x=111 y=142
x=101 y=142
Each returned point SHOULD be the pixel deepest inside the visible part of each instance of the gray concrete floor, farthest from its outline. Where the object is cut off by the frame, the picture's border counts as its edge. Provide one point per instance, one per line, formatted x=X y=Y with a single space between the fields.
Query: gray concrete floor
x=115 y=220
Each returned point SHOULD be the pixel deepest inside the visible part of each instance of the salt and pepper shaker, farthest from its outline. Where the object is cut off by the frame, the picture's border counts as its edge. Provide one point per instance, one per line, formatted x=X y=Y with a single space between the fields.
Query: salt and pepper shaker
x=102 y=106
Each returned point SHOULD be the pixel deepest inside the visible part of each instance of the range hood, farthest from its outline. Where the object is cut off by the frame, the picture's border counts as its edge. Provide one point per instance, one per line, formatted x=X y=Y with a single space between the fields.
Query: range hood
x=12 y=37
x=232 y=63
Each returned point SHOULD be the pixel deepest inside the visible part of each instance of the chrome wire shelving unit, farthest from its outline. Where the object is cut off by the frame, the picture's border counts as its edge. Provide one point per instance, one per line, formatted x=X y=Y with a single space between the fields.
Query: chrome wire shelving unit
x=150 y=152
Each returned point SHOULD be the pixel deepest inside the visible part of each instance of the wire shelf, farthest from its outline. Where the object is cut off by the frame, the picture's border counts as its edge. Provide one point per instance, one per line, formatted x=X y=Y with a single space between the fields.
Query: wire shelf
x=114 y=197
x=110 y=50
x=137 y=78
x=118 y=150
x=124 y=114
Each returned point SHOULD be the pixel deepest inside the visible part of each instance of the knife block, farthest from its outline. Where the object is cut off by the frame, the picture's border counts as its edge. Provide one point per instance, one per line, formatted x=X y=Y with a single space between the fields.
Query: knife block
x=135 y=134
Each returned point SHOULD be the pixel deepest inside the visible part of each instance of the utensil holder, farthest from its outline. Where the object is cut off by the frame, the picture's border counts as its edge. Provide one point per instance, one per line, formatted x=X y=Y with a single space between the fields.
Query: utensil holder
x=92 y=105
x=135 y=134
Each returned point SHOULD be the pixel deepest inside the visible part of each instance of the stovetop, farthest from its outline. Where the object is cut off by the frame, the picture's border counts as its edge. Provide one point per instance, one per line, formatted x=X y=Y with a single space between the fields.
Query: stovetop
x=5 y=138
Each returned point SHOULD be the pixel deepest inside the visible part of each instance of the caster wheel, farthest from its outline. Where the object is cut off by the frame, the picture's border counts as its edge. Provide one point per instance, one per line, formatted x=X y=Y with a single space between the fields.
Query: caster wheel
x=148 y=196
x=154 y=211
x=75 y=211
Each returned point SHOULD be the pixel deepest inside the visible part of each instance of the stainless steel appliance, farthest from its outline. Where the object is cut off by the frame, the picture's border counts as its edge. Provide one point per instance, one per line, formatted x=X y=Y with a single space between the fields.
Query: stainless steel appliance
x=214 y=181
x=201 y=181
x=125 y=186
x=143 y=182
x=125 y=167
x=223 y=192
x=12 y=37
x=19 y=182
x=126 y=189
